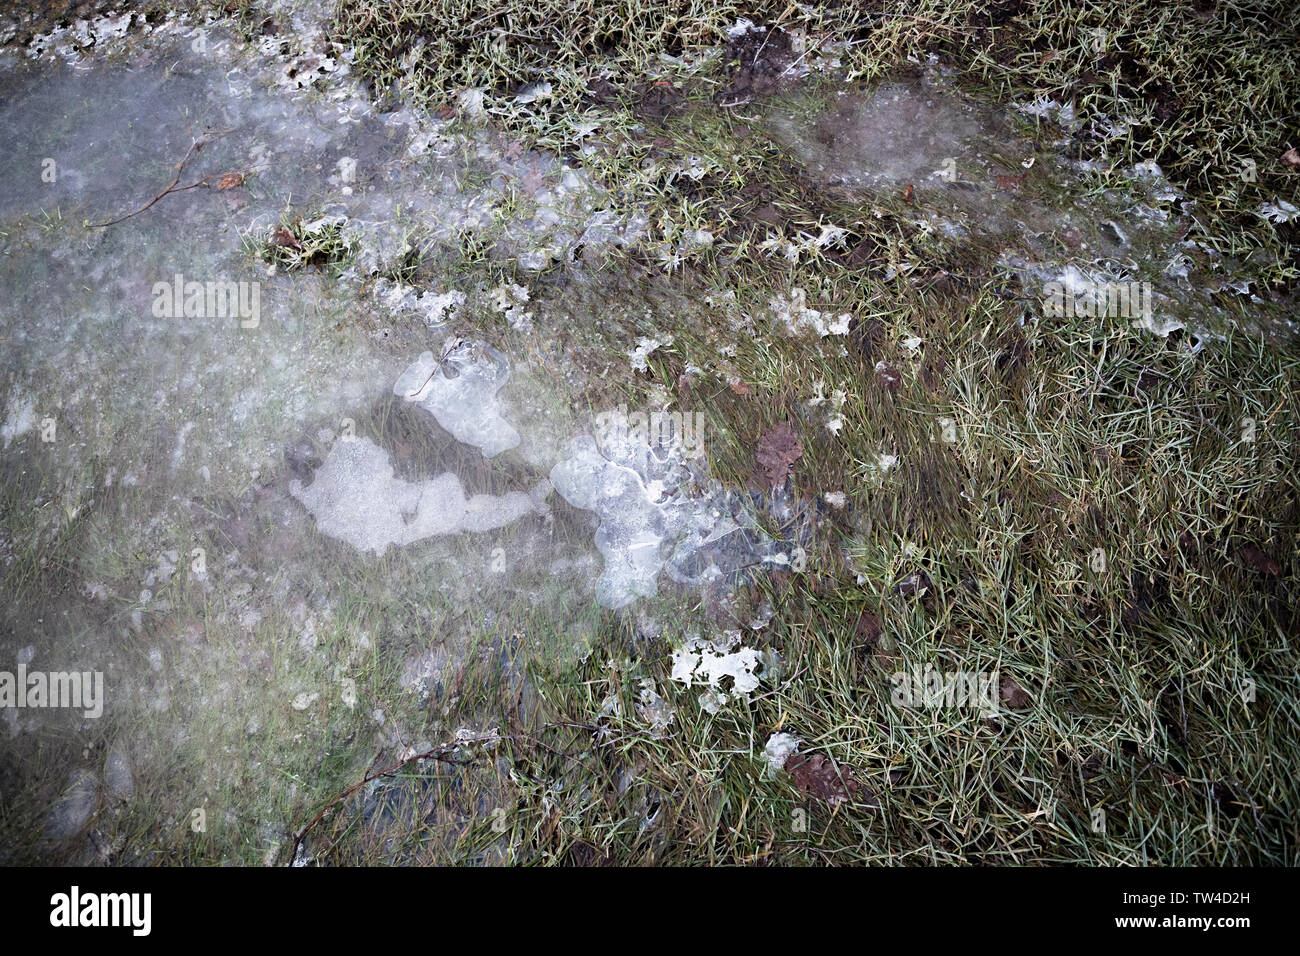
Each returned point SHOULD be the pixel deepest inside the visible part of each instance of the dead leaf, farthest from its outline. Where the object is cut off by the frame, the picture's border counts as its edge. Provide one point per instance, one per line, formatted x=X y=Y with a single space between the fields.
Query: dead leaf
x=740 y=388
x=1013 y=695
x=868 y=629
x=821 y=779
x=778 y=449
x=446 y=113
x=1291 y=158
x=909 y=193
x=230 y=181
x=1259 y=561
x=888 y=377
x=284 y=238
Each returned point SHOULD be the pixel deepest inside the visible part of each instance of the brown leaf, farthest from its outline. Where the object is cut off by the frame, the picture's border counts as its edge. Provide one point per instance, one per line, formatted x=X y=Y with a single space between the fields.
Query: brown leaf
x=1291 y=158
x=888 y=377
x=1013 y=695
x=820 y=778
x=740 y=388
x=1259 y=561
x=446 y=113
x=230 y=181
x=778 y=449
x=283 y=237
x=868 y=630
x=909 y=194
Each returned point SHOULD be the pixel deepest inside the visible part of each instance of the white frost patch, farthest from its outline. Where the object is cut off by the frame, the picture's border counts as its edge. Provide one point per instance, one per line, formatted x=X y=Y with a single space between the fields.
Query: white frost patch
x=356 y=498
x=644 y=346
x=509 y=299
x=793 y=312
x=20 y=420
x=779 y=749
x=742 y=26
x=702 y=662
x=460 y=391
x=1280 y=211
x=441 y=308
x=1044 y=107
x=835 y=405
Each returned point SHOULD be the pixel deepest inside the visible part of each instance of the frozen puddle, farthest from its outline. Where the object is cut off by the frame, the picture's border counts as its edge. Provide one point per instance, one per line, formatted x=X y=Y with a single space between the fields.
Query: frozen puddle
x=656 y=513
x=652 y=523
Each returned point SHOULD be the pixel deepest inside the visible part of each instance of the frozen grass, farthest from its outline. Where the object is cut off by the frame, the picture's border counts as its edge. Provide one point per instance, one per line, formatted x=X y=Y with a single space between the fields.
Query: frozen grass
x=1198 y=88
x=1173 y=457
x=1070 y=436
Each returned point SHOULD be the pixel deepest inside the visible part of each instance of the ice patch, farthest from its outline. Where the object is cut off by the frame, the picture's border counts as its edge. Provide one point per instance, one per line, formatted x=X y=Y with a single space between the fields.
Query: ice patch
x=20 y=420
x=649 y=523
x=780 y=748
x=792 y=311
x=702 y=662
x=356 y=498
x=460 y=391
x=644 y=346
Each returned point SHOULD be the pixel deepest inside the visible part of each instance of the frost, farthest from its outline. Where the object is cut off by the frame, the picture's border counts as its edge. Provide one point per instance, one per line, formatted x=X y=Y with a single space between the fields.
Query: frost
x=509 y=299
x=1280 y=211
x=793 y=312
x=356 y=498
x=644 y=346
x=649 y=523
x=701 y=662
x=654 y=710
x=21 y=419
x=460 y=391
x=780 y=747
x=441 y=309
x=533 y=92
x=742 y=26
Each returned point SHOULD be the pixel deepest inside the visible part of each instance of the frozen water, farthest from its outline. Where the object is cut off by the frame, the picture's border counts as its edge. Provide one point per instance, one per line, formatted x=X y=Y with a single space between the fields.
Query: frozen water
x=356 y=498
x=460 y=391
x=651 y=523
x=967 y=173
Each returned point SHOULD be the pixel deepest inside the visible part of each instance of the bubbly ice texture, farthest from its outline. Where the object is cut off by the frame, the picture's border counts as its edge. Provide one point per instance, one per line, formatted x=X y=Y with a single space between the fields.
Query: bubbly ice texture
x=650 y=523
x=356 y=498
x=460 y=391
x=633 y=526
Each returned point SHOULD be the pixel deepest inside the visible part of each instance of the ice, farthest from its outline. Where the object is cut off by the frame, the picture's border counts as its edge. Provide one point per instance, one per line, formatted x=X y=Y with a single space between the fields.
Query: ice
x=356 y=498
x=651 y=523
x=632 y=529
x=460 y=391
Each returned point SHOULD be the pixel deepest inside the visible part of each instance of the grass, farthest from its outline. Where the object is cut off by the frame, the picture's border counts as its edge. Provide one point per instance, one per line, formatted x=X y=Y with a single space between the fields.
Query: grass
x=1157 y=68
